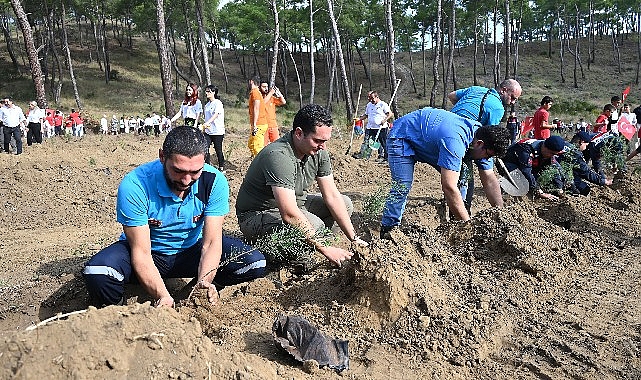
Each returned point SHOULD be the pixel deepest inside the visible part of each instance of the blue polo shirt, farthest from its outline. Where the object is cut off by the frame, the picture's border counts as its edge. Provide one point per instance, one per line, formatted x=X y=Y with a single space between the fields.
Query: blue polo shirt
x=144 y=197
x=469 y=105
x=437 y=137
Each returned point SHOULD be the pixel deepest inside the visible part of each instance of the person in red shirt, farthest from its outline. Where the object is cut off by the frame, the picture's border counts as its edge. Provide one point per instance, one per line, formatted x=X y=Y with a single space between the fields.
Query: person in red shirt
x=57 y=123
x=602 y=122
x=540 y=120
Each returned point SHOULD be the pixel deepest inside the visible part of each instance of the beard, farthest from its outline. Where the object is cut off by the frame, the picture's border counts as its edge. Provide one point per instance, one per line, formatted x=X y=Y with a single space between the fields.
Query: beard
x=175 y=185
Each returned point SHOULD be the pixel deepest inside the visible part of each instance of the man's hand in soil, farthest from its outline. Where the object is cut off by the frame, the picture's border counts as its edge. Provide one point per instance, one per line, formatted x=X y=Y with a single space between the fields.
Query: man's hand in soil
x=549 y=196
x=166 y=301
x=335 y=255
x=212 y=292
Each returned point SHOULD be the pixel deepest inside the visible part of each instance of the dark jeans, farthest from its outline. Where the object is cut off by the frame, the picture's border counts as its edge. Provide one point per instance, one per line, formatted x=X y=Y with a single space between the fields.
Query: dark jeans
x=34 y=133
x=156 y=130
x=16 y=134
x=109 y=270
x=370 y=134
x=217 y=140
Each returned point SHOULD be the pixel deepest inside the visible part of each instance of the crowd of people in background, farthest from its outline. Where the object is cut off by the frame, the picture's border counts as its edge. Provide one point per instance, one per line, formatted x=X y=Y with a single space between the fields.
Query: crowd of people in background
x=36 y=124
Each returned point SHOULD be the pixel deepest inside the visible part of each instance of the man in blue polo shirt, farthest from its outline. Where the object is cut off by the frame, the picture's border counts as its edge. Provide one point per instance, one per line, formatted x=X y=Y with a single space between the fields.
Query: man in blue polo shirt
x=487 y=106
x=443 y=140
x=172 y=212
x=467 y=101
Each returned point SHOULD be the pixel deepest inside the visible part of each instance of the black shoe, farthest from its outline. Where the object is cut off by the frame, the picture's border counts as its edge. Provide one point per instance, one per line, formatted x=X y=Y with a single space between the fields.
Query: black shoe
x=385 y=232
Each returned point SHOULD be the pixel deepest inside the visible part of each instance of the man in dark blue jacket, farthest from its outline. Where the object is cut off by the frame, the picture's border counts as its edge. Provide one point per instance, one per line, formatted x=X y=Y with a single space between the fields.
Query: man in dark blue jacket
x=532 y=156
x=580 y=169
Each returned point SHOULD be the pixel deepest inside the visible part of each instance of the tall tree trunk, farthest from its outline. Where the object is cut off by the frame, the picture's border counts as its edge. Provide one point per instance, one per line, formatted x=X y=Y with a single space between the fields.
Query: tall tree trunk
x=34 y=62
x=424 y=60
x=391 y=45
x=341 y=61
x=94 y=29
x=450 y=58
x=203 y=40
x=497 y=63
x=55 y=84
x=517 y=34
x=590 y=35
x=300 y=87
x=65 y=43
x=616 y=50
x=104 y=46
x=272 y=74
x=636 y=80
x=561 y=56
x=222 y=61
x=4 y=24
x=476 y=51
x=163 y=56
x=507 y=38
x=311 y=53
x=437 y=51
x=331 y=62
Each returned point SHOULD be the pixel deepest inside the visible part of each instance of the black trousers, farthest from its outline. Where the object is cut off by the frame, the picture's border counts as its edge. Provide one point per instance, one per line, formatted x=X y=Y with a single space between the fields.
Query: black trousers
x=34 y=133
x=17 y=135
x=217 y=140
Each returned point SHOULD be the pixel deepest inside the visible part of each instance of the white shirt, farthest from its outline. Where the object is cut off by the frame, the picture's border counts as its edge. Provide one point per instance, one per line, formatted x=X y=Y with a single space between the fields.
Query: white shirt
x=35 y=115
x=103 y=124
x=12 y=116
x=191 y=112
x=376 y=113
x=217 y=127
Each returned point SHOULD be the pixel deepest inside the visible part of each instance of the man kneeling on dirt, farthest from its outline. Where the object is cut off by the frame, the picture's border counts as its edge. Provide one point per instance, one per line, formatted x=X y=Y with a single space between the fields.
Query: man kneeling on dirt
x=274 y=190
x=445 y=141
x=172 y=212
x=532 y=157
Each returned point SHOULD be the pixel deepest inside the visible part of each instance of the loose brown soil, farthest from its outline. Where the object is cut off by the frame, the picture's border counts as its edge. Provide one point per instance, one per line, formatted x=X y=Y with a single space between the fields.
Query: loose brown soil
x=533 y=290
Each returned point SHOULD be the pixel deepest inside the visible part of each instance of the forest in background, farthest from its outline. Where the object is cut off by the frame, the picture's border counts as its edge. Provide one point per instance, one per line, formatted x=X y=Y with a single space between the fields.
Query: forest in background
x=588 y=49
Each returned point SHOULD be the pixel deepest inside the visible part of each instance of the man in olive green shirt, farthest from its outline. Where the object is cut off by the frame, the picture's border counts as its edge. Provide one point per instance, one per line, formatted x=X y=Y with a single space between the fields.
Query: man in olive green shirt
x=274 y=190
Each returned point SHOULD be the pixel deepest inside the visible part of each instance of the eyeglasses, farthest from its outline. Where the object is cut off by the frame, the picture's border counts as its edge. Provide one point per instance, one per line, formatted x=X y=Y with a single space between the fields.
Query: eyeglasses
x=208 y=91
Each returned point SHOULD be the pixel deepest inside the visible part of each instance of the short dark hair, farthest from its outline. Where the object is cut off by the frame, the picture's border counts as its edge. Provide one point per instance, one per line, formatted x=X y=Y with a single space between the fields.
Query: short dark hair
x=609 y=107
x=495 y=138
x=311 y=116
x=615 y=98
x=546 y=99
x=186 y=141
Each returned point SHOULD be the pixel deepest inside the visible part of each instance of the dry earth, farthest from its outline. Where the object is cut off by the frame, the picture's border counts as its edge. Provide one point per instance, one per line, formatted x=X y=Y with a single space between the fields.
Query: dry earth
x=533 y=290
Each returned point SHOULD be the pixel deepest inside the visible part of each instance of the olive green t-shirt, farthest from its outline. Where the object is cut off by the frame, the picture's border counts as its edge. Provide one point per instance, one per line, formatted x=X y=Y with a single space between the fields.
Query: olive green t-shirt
x=276 y=165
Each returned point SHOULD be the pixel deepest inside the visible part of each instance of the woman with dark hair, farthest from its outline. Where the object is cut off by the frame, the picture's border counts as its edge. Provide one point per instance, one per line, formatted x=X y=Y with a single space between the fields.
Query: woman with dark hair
x=191 y=107
x=214 y=126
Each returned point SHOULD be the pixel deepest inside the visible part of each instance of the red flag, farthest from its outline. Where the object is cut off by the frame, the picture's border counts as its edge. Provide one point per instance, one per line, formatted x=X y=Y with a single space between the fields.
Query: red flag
x=625 y=93
x=526 y=125
x=625 y=127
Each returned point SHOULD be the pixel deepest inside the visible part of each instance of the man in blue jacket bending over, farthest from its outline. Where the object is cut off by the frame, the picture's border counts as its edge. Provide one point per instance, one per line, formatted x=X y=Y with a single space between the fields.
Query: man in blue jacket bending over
x=443 y=140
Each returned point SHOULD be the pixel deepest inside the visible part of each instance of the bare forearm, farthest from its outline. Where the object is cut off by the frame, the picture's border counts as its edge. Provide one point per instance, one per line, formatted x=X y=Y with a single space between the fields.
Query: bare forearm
x=339 y=212
x=455 y=203
x=492 y=187
x=209 y=261
x=149 y=276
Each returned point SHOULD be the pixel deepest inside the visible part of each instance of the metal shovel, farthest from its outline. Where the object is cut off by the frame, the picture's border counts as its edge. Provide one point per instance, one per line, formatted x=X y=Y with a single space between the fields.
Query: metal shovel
x=514 y=183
